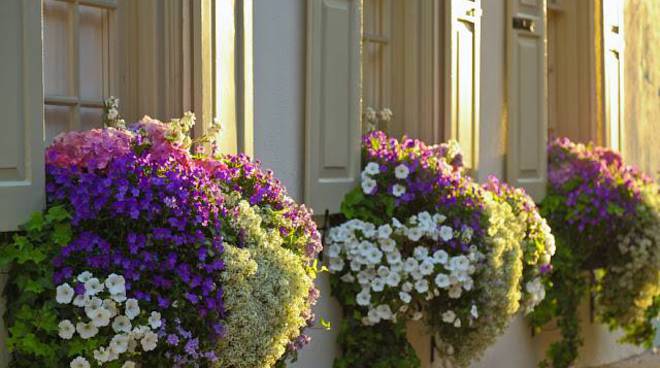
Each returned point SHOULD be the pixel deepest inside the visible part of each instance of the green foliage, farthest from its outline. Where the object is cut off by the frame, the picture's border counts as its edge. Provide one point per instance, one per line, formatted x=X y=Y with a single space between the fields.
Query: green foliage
x=31 y=311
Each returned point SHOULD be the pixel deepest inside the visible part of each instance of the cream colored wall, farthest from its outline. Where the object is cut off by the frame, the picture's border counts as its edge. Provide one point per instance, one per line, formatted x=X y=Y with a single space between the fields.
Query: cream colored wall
x=642 y=84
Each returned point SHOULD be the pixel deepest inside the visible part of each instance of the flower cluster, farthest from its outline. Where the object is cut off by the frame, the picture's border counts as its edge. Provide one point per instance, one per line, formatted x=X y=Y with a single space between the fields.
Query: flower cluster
x=112 y=119
x=607 y=220
x=538 y=243
x=373 y=260
x=175 y=226
x=373 y=117
x=423 y=241
x=101 y=310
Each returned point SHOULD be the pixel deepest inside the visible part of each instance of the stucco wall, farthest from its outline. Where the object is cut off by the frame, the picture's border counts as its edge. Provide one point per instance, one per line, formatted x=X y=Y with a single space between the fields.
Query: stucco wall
x=642 y=84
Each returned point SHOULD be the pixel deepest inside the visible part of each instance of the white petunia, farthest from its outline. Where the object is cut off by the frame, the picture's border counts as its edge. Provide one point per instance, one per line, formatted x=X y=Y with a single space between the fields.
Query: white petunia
x=387 y=245
x=80 y=300
x=384 y=312
x=110 y=306
x=449 y=316
x=128 y=364
x=101 y=317
x=457 y=323
x=121 y=324
x=410 y=265
x=372 y=168
x=407 y=286
x=396 y=223
x=375 y=255
x=401 y=171
x=119 y=298
x=336 y=264
x=368 y=185
x=65 y=294
x=364 y=277
x=86 y=330
x=119 y=343
x=393 y=257
x=149 y=341
x=446 y=233
x=459 y=263
x=84 y=276
x=384 y=231
x=417 y=316
x=455 y=292
x=116 y=284
x=356 y=265
x=378 y=284
x=468 y=284
x=422 y=286
x=154 y=320
x=79 y=362
x=333 y=250
x=426 y=267
x=405 y=297
x=93 y=286
x=373 y=317
x=92 y=305
x=132 y=308
x=393 y=279
x=383 y=271
x=363 y=298
x=398 y=190
x=416 y=275
x=440 y=256
x=420 y=253
x=442 y=280
x=66 y=329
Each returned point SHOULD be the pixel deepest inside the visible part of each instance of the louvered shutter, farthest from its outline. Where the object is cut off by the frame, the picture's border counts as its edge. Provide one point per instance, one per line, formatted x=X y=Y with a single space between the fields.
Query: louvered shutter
x=21 y=103
x=332 y=137
x=463 y=33
x=613 y=44
x=527 y=96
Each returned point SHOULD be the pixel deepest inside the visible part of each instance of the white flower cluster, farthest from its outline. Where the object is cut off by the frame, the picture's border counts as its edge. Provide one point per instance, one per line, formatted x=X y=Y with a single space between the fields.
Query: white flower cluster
x=112 y=117
x=394 y=280
x=373 y=117
x=105 y=312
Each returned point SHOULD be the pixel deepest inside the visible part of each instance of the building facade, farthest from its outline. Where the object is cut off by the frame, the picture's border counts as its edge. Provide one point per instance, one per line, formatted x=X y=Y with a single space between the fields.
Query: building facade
x=290 y=81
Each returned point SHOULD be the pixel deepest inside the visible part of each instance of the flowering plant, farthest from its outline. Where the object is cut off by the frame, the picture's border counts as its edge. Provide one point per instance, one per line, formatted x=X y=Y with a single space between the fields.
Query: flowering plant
x=211 y=245
x=423 y=241
x=608 y=219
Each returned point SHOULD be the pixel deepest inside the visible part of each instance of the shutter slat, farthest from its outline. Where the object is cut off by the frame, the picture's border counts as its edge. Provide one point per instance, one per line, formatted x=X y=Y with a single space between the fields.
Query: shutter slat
x=21 y=101
x=332 y=160
x=527 y=96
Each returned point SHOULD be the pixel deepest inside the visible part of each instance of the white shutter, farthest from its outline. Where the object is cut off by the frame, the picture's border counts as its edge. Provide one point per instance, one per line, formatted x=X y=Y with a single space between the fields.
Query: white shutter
x=527 y=74
x=463 y=32
x=21 y=103
x=613 y=44
x=332 y=137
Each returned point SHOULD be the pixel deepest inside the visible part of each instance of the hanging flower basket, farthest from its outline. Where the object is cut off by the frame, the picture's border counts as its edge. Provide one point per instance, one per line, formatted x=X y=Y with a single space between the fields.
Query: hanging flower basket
x=607 y=221
x=422 y=241
x=148 y=256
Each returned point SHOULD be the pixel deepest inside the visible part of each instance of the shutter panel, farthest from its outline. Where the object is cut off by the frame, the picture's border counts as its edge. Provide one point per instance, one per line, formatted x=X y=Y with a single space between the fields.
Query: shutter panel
x=21 y=101
x=527 y=96
x=332 y=137
x=613 y=44
x=463 y=33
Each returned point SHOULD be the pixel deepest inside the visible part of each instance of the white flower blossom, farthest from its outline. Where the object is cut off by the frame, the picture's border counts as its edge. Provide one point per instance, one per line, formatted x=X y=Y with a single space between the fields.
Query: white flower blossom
x=446 y=233
x=363 y=298
x=149 y=341
x=66 y=329
x=368 y=185
x=93 y=286
x=336 y=264
x=372 y=168
x=420 y=253
x=84 y=276
x=121 y=324
x=449 y=316
x=132 y=308
x=79 y=362
x=384 y=312
x=401 y=171
x=442 y=280
x=65 y=294
x=440 y=256
x=422 y=286
x=86 y=330
x=398 y=190
x=405 y=297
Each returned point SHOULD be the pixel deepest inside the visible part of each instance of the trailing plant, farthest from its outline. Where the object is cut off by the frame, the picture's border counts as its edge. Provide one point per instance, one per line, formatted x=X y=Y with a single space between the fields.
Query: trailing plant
x=149 y=256
x=607 y=221
x=422 y=241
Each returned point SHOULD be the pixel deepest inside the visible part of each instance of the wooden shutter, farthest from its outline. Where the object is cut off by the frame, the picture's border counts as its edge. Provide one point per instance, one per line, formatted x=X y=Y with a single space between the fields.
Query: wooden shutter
x=463 y=32
x=527 y=96
x=21 y=103
x=613 y=44
x=332 y=137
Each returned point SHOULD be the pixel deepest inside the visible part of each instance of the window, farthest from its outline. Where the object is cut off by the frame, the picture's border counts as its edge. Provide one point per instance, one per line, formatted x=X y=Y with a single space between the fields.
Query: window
x=78 y=71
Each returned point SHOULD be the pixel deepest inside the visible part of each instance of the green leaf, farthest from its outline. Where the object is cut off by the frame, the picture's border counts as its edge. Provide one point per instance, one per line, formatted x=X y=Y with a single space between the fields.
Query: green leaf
x=62 y=234
x=36 y=222
x=57 y=214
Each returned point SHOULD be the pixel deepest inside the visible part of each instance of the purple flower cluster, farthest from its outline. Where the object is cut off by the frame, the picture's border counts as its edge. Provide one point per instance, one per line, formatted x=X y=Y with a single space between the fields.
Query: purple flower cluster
x=155 y=220
x=435 y=182
x=595 y=192
x=184 y=343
